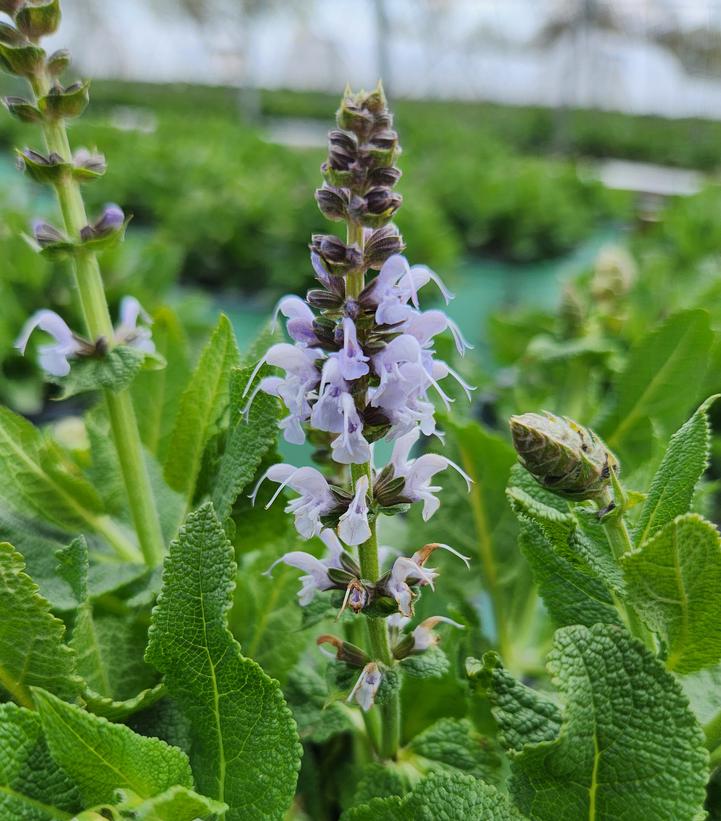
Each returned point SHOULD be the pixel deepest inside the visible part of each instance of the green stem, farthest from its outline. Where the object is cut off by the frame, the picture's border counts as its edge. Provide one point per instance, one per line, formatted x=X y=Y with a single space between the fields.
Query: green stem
x=713 y=736
x=619 y=541
x=369 y=564
x=123 y=424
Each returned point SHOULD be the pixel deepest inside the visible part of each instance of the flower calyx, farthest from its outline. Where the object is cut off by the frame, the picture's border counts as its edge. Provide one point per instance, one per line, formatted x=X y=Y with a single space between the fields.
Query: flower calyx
x=344 y=651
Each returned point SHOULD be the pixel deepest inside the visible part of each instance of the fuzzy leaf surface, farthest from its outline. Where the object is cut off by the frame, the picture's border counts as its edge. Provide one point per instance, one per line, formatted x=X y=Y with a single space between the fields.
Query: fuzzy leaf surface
x=673 y=582
x=454 y=743
x=678 y=474
x=32 y=786
x=629 y=746
x=114 y=371
x=175 y=804
x=246 y=751
x=203 y=402
x=32 y=652
x=101 y=757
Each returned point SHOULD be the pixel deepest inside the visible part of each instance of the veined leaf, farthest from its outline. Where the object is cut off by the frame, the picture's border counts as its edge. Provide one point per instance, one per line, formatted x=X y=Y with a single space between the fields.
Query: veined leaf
x=175 y=804
x=114 y=371
x=673 y=583
x=101 y=757
x=629 y=746
x=32 y=652
x=654 y=386
x=454 y=744
x=440 y=797
x=156 y=394
x=248 y=440
x=683 y=464
x=34 y=479
x=245 y=745
x=32 y=786
x=203 y=402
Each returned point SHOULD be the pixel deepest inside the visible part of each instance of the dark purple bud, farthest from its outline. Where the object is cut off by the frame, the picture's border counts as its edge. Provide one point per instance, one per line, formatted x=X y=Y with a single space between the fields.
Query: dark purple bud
x=94 y=163
x=22 y=109
x=342 y=150
x=45 y=234
x=110 y=222
x=386 y=176
x=385 y=140
x=323 y=300
x=383 y=243
x=333 y=202
x=383 y=201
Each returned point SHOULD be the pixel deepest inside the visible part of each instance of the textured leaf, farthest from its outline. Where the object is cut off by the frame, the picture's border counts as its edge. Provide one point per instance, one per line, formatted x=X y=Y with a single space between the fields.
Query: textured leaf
x=114 y=371
x=629 y=747
x=102 y=757
x=673 y=581
x=248 y=440
x=156 y=394
x=440 y=797
x=245 y=746
x=319 y=718
x=380 y=781
x=654 y=386
x=203 y=401
x=32 y=786
x=521 y=714
x=431 y=664
x=175 y=804
x=32 y=652
x=551 y=542
x=33 y=480
x=673 y=486
x=454 y=743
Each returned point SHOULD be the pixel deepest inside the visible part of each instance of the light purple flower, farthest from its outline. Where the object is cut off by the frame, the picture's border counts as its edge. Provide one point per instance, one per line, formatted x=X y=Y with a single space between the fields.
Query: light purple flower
x=316 y=578
x=110 y=222
x=353 y=526
x=366 y=687
x=53 y=358
x=424 y=637
x=351 y=359
x=314 y=500
x=299 y=319
x=128 y=332
x=301 y=377
x=419 y=472
x=327 y=413
x=350 y=448
x=428 y=324
x=407 y=572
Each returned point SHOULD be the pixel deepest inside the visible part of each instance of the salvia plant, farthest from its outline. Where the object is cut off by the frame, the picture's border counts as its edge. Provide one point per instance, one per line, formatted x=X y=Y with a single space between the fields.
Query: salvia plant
x=157 y=659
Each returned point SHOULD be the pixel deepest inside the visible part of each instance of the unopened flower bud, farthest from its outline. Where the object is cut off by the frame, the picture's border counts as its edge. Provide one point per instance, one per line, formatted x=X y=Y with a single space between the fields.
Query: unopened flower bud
x=323 y=300
x=382 y=244
x=344 y=650
x=352 y=117
x=17 y=54
x=338 y=257
x=42 y=168
x=342 y=150
x=111 y=221
x=87 y=165
x=381 y=204
x=561 y=455
x=38 y=18
x=57 y=62
x=22 y=109
x=332 y=202
x=65 y=103
x=385 y=175
x=45 y=234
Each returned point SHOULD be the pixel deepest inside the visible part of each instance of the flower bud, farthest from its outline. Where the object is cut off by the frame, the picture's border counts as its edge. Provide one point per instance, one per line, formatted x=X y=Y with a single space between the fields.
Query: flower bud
x=45 y=234
x=338 y=257
x=87 y=165
x=57 y=62
x=323 y=300
x=366 y=687
x=66 y=102
x=385 y=175
x=345 y=651
x=382 y=243
x=342 y=150
x=333 y=202
x=38 y=19
x=17 y=54
x=561 y=455
x=41 y=168
x=22 y=109
x=111 y=221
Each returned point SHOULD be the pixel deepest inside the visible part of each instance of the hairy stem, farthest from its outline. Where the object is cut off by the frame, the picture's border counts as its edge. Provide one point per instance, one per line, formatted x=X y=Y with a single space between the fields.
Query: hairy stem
x=94 y=305
x=369 y=564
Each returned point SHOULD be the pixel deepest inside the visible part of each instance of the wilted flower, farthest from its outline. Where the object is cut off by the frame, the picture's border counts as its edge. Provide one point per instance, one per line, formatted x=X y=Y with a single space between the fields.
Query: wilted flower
x=423 y=635
x=366 y=687
x=562 y=455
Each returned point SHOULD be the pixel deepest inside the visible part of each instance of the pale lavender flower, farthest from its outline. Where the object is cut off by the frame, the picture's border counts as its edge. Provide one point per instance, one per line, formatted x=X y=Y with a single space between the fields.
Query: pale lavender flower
x=366 y=687
x=351 y=359
x=299 y=319
x=419 y=472
x=315 y=498
x=353 y=527
x=350 y=448
x=128 y=332
x=404 y=573
x=424 y=637
x=53 y=358
x=428 y=324
x=316 y=578
x=327 y=413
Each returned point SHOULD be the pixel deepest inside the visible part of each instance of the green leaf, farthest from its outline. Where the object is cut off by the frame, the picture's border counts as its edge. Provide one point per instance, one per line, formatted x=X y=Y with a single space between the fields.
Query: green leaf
x=673 y=582
x=380 y=781
x=433 y=663
x=102 y=757
x=454 y=743
x=629 y=747
x=654 y=386
x=32 y=652
x=114 y=371
x=245 y=746
x=203 y=402
x=319 y=718
x=32 y=786
x=156 y=394
x=673 y=486
x=35 y=479
x=440 y=797
x=175 y=804
x=521 y=714
x=248 y=440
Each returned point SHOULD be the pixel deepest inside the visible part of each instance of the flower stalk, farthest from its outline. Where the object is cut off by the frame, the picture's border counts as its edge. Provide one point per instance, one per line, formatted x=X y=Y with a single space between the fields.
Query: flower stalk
x=50 y=105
